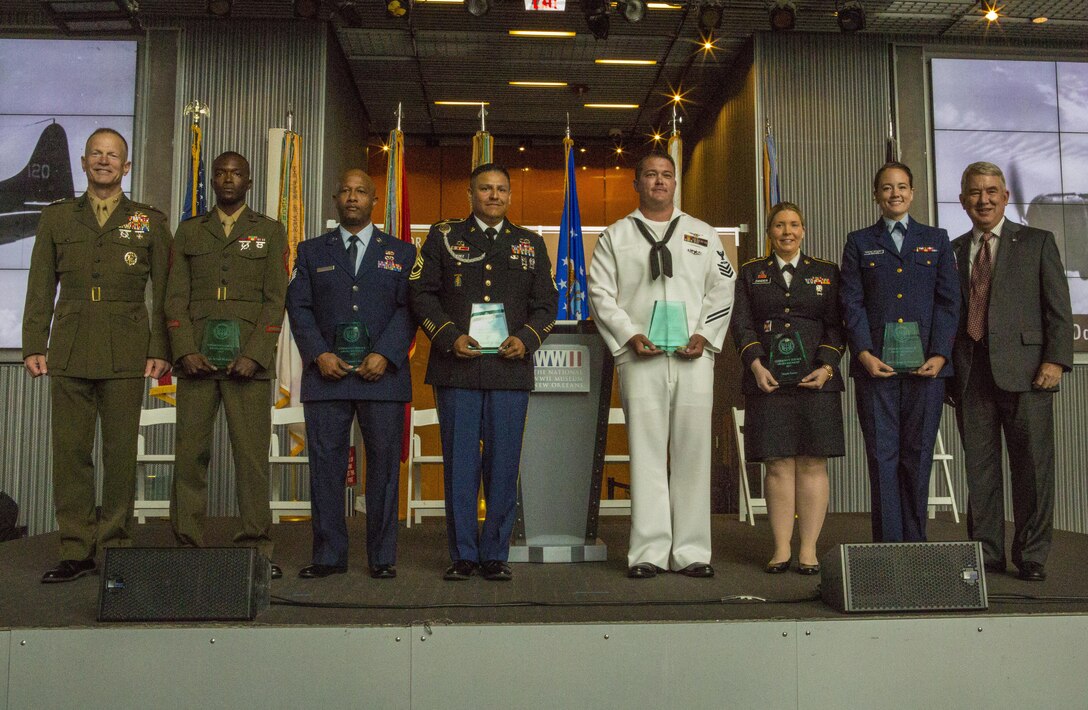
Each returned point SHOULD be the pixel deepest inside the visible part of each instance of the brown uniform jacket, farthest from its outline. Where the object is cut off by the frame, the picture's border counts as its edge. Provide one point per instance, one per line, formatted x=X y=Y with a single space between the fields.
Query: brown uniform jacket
x=99 y=327
x=242 y=277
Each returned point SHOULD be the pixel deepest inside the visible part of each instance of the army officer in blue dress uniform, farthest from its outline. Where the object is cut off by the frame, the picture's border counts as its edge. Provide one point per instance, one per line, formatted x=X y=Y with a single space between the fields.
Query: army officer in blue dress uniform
x=792 y=426
x=484 y=259
x=899 y=271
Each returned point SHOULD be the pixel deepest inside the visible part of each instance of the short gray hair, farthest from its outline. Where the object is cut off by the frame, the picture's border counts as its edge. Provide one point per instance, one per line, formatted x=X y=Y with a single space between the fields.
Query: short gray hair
x=981 y=168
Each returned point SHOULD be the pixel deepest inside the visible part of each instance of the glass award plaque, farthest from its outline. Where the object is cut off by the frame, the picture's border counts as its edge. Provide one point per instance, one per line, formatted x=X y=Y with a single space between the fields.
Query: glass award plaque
x=487 y=326
x=352 y=342
x=903 y=346
x=787 y=358
x=221 y=341
x=669 y=325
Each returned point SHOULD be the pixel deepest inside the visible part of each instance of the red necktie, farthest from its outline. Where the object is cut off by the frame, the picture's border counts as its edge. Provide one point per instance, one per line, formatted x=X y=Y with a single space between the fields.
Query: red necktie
x=980 y=289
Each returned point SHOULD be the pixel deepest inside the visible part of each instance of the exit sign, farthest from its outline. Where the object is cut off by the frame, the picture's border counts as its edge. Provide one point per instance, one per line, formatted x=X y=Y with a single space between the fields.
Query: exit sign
x=558 y=5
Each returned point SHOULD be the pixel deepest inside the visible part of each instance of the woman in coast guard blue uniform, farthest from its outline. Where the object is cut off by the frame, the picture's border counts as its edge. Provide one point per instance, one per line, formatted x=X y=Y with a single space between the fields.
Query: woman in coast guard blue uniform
x=899 y=271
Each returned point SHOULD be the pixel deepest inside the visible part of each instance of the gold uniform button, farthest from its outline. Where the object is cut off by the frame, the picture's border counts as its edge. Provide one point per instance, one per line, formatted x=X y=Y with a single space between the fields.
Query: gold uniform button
x=872 y=263
x=900 y=320
x=487 y=299
x=787 y=294
x=354 y=288
x=899 y=270
x=898 y=295
x=786 y=309
x=487 y=266
x=928 y=262
x=487 y=283
x=787 y=325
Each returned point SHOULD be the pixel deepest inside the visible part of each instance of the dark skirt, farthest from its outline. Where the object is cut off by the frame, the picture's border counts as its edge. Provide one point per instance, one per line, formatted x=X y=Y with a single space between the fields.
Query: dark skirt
x=793 y=422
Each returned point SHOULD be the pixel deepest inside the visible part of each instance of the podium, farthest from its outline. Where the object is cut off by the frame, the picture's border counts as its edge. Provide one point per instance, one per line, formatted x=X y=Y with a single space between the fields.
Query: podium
x=562 y=455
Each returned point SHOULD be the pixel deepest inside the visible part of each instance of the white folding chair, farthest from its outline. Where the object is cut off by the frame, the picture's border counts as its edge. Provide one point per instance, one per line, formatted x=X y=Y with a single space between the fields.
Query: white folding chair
x=280 y=507
x=611 y=506
x=942 y=457
x=748 y=507
x=143 y=508
x=418 y=506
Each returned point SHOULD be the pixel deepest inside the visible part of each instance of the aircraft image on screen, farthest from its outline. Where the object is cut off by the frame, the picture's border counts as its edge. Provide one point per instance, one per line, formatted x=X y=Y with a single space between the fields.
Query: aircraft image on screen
x=1072 y=219
x=46 y=178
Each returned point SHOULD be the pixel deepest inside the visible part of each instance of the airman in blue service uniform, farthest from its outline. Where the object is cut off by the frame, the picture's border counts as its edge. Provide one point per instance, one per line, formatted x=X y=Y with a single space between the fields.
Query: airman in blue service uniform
x=332 y=288
x=898 y=271
x=482 y=259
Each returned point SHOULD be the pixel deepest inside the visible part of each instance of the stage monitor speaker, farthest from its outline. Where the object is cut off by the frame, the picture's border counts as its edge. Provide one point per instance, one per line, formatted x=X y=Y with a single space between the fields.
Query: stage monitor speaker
x=904 y=576
x=183 y=584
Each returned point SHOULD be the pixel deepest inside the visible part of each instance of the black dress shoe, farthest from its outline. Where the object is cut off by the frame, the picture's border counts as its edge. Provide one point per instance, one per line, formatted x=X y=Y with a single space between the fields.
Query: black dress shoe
x=277 y=573
x=460 y=570
x=318 y=571
x=68 y=570
x=383 y=571
x=777 y=567
x=1032 y=572
x=808 y=570
x=698 y=569
x=643 y=570
x=496 y=571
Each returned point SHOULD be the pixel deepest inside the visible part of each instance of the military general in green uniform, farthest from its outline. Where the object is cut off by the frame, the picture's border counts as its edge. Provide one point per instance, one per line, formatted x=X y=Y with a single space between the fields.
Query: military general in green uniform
x=224 y=310
x=102 y=249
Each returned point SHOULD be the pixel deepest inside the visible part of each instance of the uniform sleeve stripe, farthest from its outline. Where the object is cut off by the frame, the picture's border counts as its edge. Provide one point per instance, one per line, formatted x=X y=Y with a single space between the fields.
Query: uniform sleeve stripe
x=538 y=338
x=754 y=342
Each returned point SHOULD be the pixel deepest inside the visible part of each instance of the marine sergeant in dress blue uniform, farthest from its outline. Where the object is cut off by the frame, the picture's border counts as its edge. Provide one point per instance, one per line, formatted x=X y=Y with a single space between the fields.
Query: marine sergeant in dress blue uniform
x=353 y=274
x=899 y=271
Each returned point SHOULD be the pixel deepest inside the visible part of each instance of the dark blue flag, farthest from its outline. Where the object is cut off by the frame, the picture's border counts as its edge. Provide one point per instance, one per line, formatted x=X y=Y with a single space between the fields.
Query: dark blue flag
x=570 y=267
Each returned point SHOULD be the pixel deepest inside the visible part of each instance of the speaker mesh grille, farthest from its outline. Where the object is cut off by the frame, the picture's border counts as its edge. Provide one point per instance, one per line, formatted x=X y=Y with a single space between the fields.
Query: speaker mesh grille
x=896 y=576
x=182 y=584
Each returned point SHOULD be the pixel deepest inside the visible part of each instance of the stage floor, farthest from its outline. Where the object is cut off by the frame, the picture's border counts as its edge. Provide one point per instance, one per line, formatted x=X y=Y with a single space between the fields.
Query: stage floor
x=539 y=593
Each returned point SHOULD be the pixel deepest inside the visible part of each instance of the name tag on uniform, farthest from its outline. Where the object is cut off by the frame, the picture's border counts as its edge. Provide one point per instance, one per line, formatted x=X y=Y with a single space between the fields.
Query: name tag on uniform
x=874 y=252
x=321 y=269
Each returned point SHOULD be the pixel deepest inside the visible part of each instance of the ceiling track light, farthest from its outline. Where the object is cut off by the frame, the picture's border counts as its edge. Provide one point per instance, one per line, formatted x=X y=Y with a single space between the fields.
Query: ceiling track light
x=710 y=17
x=783 y=15
x=633 y=10
x=219 y=8
x=478 y=8
x=851 y=16
x=596 y=12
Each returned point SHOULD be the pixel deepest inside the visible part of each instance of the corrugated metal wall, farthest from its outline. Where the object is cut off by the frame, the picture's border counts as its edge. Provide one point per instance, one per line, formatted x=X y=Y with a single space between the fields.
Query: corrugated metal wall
x=827 y=100
x=251 y=74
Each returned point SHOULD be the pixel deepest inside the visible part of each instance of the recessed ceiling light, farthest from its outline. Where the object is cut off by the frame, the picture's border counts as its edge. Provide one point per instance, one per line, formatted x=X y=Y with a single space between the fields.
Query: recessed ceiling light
x=542 y=33
x=537 y=83
x=646 y=62
x=1039 y=20
x=462 y=103
x=611 y=105
x=663 y=6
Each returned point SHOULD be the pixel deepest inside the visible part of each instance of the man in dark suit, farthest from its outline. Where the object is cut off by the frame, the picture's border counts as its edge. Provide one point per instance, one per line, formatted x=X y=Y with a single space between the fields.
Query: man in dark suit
x=484 y=259
x=229 y=278
x=97 y=343
x=348 y=308
x=894 y=273
x=1014 y=342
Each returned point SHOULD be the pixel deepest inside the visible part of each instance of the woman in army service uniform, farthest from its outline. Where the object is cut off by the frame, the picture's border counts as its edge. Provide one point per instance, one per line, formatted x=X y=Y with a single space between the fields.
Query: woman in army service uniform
x=788 y=331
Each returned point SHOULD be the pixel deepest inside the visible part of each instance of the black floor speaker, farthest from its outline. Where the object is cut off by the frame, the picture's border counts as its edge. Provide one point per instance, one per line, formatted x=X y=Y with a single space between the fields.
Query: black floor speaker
x=183 y=584
x=904 y=576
